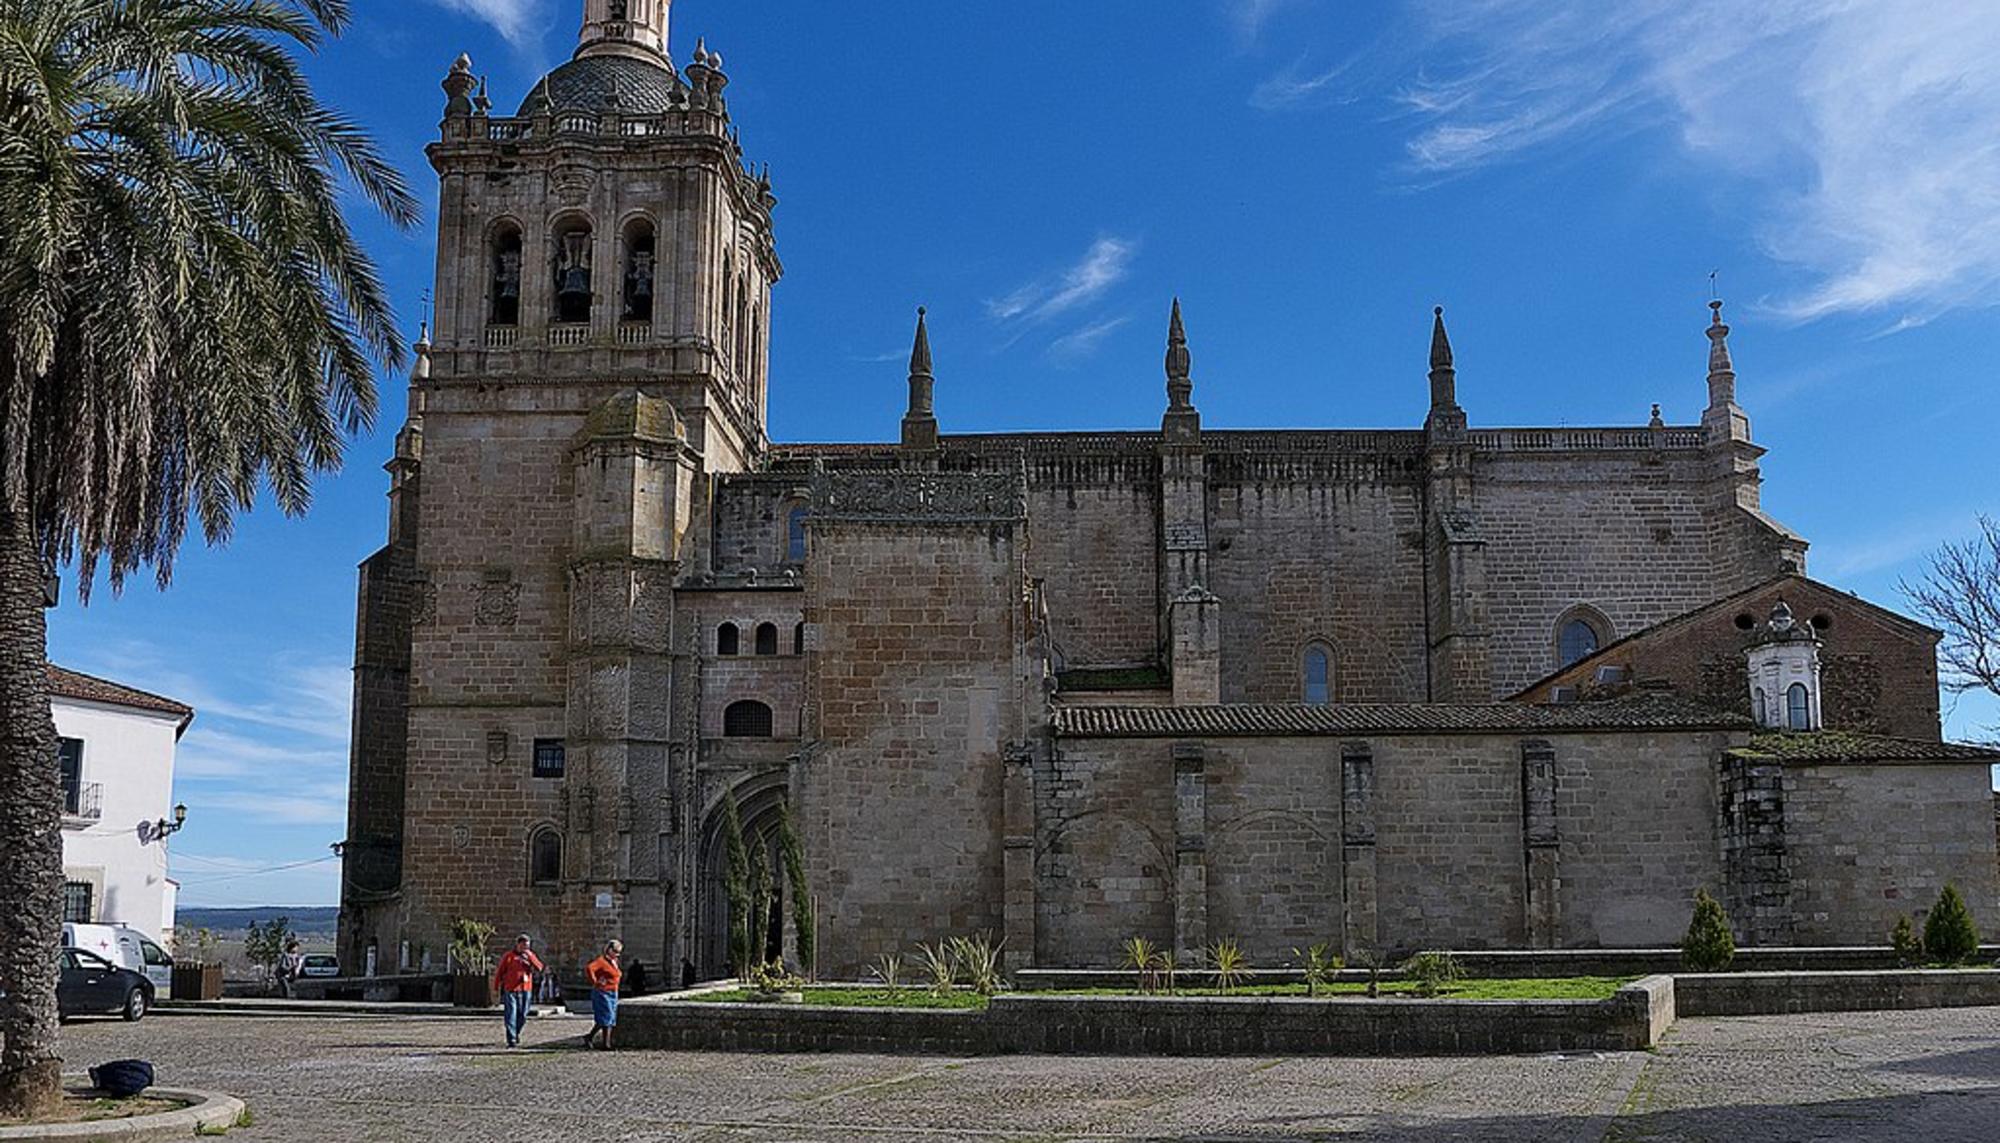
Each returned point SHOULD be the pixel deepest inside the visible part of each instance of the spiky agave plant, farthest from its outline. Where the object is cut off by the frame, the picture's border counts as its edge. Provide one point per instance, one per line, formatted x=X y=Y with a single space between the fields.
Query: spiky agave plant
x=940 y=966
x=978 y=958
x=1226 y=960
x=1138 y=955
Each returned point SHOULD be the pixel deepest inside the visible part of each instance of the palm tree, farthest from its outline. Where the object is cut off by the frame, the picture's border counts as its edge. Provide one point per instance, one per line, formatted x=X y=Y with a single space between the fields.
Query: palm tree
x=185 y=321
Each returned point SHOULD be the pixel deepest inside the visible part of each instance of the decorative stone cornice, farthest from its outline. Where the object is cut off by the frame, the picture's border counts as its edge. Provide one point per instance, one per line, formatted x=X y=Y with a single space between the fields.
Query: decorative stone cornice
x=920 y=497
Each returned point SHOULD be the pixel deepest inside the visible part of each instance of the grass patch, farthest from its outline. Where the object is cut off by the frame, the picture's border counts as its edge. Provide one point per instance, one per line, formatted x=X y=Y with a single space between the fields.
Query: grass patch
x=1549 y=988
x=80 y=1107
x=859 y=998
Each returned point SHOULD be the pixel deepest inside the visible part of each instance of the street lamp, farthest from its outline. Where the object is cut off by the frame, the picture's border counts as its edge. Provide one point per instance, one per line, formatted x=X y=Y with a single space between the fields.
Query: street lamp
x=163 y=827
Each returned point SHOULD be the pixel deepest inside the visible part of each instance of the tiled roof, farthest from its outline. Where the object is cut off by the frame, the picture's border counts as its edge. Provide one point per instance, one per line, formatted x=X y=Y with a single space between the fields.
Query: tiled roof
x=1847 y=746
x=606 y=83
x=1636 y=712
x=65 y=683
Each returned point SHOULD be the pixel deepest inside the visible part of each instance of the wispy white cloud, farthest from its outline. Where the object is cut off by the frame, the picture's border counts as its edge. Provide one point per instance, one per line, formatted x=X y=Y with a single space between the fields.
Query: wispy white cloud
x=1299 y=84
x=1082 y=342
x=1102 y=266
x=520 y=22
x=1248 y=17
x=1866 y=125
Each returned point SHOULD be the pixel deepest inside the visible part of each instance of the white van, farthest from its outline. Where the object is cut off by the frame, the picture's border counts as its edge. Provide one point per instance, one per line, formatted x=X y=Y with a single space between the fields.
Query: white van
x=126 y=947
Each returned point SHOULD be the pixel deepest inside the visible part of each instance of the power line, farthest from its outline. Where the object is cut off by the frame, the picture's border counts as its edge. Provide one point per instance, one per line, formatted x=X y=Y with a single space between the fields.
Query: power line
x=259 y=872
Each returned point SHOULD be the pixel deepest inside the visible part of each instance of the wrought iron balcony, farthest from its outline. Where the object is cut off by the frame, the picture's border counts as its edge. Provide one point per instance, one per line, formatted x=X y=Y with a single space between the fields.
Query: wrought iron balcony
x=83 y=802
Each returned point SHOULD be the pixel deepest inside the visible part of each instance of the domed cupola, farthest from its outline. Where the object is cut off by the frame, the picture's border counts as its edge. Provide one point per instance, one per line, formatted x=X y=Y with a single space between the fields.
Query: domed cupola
x=1784 y=672
x=621 y=65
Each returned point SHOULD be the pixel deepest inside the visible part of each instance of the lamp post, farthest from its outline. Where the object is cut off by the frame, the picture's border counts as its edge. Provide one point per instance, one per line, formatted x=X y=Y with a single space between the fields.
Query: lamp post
x=163 y=827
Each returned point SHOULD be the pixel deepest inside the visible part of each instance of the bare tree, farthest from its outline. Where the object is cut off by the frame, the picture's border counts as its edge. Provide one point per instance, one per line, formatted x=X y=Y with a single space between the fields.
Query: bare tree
x=1960 y=593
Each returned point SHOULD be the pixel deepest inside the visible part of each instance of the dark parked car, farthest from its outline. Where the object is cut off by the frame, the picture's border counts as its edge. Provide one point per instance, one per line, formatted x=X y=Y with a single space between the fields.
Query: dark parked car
x=92 y=985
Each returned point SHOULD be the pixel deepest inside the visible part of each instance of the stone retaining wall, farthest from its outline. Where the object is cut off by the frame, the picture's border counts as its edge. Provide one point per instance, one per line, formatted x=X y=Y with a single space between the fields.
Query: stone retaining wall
x=1778 y=993
x=1167 y=1025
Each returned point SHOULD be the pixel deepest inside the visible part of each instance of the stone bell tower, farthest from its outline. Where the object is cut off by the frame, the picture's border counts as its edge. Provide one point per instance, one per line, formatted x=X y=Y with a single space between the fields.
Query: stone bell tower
x=609 y=231
x=604 y=274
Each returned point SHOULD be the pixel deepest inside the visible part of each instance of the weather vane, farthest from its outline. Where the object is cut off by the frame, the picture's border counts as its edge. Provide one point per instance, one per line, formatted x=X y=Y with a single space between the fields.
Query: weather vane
x=1712 y=295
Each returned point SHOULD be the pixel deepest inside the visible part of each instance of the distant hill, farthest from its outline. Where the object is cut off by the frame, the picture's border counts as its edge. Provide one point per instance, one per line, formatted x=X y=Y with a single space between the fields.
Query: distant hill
x=307 y=920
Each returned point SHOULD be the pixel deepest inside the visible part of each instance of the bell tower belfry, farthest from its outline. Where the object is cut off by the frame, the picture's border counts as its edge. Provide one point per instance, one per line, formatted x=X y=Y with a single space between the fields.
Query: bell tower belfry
x=621 y=27
x=608 y=234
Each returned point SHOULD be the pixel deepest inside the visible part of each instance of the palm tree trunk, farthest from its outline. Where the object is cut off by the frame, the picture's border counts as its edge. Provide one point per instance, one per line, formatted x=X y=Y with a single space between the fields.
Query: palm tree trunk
x=30 y=832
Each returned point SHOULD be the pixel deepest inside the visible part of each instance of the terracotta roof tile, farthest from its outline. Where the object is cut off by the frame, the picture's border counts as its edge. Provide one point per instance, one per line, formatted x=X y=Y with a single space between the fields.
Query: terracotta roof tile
x=65 y=683
x=1637 y=712
x=1848 y=746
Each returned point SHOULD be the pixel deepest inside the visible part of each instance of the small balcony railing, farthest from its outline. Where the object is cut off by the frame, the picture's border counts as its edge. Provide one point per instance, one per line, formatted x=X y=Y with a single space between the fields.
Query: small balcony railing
x=501 y=336
x=568 y=334
x=84 y=802
x=635 y=332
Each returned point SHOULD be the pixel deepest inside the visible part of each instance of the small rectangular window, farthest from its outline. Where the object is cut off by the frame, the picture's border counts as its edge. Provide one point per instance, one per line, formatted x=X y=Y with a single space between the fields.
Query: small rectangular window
x=549 y=760
x=76 y=902
x=69 y=761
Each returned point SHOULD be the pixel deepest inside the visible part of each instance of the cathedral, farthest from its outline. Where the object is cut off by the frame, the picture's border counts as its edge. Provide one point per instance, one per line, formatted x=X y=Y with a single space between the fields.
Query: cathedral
x=1438 y=686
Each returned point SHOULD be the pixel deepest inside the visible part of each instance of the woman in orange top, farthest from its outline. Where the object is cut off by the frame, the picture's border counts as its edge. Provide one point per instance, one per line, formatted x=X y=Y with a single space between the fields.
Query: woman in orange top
x=604 y=976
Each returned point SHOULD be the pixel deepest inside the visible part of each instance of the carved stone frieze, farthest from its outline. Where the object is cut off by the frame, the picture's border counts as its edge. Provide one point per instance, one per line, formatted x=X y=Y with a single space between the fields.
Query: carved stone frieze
x=937 y=497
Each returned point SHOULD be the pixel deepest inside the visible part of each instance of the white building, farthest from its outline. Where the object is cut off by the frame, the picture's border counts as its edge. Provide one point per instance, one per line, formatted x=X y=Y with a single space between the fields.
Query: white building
x=117 y=758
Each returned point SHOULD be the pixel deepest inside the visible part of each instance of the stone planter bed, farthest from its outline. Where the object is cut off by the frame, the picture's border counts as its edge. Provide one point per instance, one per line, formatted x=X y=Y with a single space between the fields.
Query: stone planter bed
x=165 y=1113
x=1630 y=1019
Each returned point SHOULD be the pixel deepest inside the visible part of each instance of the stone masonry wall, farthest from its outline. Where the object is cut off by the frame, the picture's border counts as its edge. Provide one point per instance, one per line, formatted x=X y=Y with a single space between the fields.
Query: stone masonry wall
x=1332 y=560
x=1094 y=525
x=1621 y=532
x=913 y=662
x=1869 y=843
x=1104 y=853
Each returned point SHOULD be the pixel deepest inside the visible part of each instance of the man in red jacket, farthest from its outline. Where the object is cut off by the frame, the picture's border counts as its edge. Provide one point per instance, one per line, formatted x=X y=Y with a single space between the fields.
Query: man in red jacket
x=514 y=979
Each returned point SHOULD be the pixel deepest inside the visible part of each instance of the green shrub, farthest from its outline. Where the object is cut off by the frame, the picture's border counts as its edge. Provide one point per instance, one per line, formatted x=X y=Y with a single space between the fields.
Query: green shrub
x=1903 y=939
x=1168 y=966
x=469 y=942
x=979 y=959
x=736 y=886
x=805 y=937
x=1950 y=937
x=772 y=977
x=1139 y=955
x=889 y=970
x=1229 y=964
x=1318 y=965
x=1708 y=946
x=940 y=965
x=1433 y=972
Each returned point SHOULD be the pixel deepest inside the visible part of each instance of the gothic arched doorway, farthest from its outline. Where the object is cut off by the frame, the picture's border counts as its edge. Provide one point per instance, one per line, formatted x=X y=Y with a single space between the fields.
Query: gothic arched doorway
x=759 y=802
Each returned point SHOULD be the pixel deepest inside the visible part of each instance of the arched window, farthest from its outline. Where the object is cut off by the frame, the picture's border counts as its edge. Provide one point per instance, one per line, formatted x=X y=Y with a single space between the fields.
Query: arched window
x=1577 y=638
x=795 y=534
x=1798 y=709
x=636 y=286
x=1317 y=675
x=767 y=638
x=545 y=857
x=572 y=258
x=746 y=719
x=504 y=294
x=1763 y=708
x=726 y=639
x=799 y=639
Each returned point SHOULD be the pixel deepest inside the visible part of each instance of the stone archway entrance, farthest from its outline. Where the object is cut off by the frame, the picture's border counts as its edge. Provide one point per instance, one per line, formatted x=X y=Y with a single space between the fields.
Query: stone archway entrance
x=758 y=801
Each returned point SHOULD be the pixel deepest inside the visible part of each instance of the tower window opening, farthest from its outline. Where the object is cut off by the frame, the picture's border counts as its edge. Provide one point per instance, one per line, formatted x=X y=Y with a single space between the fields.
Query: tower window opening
x=1577 y=639
x=1318 y=676
x=1798 y=707
x=572 y=272
x=799 y=639
x=726 y=639
x=505 y=291
x=795 y=534
x=746 y=719
x=638 y=275
x=545 y=857
x=767 y=638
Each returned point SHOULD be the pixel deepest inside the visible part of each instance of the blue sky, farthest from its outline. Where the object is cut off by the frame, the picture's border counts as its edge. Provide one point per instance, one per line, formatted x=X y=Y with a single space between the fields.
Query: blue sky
x=1310 y=176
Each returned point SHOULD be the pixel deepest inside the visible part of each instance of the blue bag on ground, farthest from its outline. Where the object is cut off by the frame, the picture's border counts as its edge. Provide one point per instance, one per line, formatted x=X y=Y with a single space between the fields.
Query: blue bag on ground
x=122 y=1078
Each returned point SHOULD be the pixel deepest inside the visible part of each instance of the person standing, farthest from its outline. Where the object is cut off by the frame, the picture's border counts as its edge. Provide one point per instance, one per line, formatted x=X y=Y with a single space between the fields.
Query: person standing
x=291 y=966
x=604 y=976
x=514 y=978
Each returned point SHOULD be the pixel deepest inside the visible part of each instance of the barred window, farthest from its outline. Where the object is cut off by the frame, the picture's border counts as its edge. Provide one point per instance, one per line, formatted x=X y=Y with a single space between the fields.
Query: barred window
x=550 y=758
x=746 y=719
x=76 y=902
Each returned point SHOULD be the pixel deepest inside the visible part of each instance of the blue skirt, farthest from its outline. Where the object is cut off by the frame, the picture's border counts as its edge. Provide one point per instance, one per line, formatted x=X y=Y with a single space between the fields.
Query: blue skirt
x=604 y=1007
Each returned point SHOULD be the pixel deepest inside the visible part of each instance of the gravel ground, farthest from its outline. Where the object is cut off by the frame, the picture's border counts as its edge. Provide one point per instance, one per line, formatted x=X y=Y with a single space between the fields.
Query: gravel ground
x=1931 y=1075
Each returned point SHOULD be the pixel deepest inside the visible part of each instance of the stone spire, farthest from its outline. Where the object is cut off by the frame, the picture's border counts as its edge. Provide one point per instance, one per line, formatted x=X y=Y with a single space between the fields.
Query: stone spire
x=633 y=28
x=1181 y=422
x=920 y=429
x=1445 y=413
x=1721 y=372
